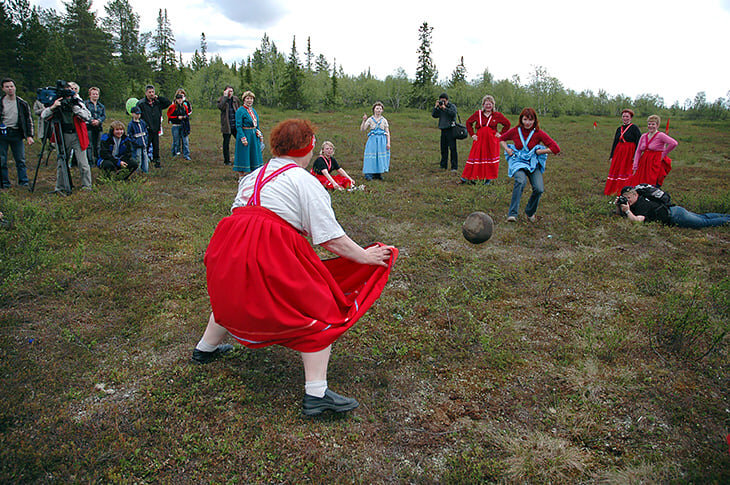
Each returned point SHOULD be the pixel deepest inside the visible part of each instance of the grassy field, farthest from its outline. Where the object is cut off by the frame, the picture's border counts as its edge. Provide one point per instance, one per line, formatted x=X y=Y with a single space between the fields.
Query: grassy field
x=580 y=349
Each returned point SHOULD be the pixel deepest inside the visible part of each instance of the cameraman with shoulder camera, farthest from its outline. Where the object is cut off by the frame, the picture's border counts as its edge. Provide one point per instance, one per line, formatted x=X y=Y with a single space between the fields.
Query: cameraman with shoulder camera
x=16 y=125
x=446 y=114
x=647 y=208
x=72 y=115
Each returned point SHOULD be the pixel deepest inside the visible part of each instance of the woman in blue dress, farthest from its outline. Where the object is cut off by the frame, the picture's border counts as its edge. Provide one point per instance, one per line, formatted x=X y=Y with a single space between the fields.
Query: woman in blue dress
x=376 y=160
x=248 y=137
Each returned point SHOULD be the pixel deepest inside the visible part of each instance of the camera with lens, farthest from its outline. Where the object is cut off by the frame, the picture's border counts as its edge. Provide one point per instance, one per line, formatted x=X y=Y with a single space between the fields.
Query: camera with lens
x=441 y=102
x=50 y=94
x=622 y=200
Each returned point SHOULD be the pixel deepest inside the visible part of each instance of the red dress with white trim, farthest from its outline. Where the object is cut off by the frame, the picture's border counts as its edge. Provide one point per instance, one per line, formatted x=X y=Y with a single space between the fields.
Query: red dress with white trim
x=267 y=285
x=483 y=161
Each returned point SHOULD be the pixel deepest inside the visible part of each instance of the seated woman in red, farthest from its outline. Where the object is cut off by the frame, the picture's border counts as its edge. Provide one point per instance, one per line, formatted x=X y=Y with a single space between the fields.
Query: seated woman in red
x=266 y=284
x=325 y=166
x=651 y=163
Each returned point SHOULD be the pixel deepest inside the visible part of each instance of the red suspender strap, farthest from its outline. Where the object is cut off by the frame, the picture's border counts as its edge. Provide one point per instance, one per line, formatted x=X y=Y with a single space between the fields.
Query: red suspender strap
x=328 y=161
x=623 y=130
x=261 y=181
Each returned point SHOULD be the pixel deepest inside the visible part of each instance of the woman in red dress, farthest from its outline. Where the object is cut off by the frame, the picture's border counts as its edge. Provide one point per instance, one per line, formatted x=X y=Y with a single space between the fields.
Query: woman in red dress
x=267 y=285
x=651 y=163
x=328 y=171
x=483 y=161
x=622 y=154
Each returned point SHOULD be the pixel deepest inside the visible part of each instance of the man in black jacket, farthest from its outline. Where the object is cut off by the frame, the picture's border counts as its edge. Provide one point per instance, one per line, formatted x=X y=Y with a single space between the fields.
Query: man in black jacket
x=152 y=107
x=16 y=125
x=446 y=113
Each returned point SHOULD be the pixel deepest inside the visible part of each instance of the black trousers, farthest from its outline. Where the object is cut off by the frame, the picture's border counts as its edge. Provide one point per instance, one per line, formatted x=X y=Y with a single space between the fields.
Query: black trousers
x=227 y=146
x=448 y=142
x=110 y=166
x=154 y=136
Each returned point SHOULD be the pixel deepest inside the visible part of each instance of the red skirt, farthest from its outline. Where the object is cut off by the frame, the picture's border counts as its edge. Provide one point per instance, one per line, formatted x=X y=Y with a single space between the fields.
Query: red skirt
x=340 y=179
x=652 y=169
x=267 y=285
x=621 y=167
x=483 y=161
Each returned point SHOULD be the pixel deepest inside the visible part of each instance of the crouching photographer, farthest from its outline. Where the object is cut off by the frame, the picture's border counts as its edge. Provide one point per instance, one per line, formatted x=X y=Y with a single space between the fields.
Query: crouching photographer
x=646 y=203
x=70 y=115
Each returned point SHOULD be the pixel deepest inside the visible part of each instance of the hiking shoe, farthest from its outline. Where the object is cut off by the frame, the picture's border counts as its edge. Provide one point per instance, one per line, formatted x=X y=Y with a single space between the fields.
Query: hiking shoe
x=200 y=357
x=532 y=218
x=511 y=219
x=314 y=406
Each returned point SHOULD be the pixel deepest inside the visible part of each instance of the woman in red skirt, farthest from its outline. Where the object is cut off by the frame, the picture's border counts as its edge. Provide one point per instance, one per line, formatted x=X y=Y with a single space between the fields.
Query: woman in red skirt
x=328 y=171
x=483 y=161
x=622 y=154
x=267 y=285
x=651 y=163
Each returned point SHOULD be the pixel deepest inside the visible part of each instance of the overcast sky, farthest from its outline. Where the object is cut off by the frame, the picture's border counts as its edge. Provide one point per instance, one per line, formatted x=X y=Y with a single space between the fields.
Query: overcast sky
x=671 y=48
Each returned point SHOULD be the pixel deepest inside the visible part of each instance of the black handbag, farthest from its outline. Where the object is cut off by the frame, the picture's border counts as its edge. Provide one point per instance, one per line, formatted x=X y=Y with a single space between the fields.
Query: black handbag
x=459 y=130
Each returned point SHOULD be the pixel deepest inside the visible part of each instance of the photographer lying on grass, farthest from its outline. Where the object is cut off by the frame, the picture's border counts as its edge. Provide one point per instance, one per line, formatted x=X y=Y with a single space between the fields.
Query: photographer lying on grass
x=646 y=203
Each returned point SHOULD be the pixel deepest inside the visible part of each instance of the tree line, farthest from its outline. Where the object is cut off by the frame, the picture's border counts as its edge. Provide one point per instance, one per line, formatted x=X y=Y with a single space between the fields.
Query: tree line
x=38 y=46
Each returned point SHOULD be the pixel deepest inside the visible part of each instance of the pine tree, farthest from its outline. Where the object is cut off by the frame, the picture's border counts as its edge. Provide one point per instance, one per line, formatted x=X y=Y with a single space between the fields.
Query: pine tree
x=291 y=94
x=204 y=49
x=268 y=67
x=310 y=55
x=9 y=45
x=321 y=64
x=426 y=70
x=163 y=54
x=122 y=22
x=458 y=77
x=88 y=45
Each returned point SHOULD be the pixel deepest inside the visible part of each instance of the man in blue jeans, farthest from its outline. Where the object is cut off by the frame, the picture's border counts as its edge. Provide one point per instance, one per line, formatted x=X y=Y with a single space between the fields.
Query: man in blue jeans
x=643 y=209
x=16 y=125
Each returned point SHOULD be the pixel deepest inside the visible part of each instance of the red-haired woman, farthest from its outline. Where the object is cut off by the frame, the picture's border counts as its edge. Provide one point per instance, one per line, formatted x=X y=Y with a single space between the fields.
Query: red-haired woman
x=622 y=154
x=483 y=161
x=266 y=284
x=651 y=163
x=527 y=157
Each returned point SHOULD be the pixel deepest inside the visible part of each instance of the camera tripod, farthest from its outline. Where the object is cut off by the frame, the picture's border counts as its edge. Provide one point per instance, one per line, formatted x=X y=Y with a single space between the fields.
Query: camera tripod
x=63 y=172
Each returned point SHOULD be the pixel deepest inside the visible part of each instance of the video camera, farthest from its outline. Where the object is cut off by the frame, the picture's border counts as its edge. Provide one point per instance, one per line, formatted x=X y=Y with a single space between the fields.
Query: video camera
x=50 y=94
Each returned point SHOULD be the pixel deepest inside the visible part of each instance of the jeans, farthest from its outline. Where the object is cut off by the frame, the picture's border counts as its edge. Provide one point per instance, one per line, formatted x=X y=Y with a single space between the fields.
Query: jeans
x=15 y=142
x=71 y=140
x=448 y=142
x=140 y=156
x=681 y=217
x=538 y=188
x=177 y=140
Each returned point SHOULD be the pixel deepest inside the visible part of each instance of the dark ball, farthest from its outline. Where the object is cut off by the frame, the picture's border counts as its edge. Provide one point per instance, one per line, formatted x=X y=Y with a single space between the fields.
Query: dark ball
x=477 y=227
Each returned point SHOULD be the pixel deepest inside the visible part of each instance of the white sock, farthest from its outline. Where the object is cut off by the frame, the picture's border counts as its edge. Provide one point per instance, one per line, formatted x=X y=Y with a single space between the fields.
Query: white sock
x=204 y=346
x=315 y=388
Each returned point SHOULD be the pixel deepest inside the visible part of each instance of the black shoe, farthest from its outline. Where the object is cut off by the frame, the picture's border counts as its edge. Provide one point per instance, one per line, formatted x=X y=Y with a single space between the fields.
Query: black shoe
x=314 y=406
x=157 y=163
x=200 y=357
x=226 y=163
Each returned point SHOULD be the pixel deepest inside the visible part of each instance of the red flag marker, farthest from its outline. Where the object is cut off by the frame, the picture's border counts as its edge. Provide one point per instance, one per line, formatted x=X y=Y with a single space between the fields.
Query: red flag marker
x=666 y=130
x=595 y=125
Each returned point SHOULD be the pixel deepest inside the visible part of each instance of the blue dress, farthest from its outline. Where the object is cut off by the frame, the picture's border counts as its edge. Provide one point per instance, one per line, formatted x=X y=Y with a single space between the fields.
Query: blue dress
x=377 y=156
x=248 y=157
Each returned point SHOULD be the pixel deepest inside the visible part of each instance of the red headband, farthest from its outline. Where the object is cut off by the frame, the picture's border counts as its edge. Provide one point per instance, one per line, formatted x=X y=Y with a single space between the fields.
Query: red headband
x=300 y=152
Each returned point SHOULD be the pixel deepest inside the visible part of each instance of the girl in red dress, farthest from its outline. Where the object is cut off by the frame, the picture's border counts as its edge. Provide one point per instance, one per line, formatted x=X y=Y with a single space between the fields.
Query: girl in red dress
x=267 y=285
x=328 y=171
x=622 y=154
x=483 y=161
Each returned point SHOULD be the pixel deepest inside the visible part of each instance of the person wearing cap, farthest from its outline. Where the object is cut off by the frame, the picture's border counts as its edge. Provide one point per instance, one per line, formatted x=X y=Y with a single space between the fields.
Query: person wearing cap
x=137 y=133
x=446 y=113
x=266 y=284
x=178 y=115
